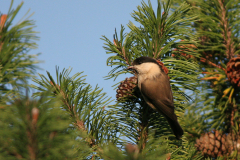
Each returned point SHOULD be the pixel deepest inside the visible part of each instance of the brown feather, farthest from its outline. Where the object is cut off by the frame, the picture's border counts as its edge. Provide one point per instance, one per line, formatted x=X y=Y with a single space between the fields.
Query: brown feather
x=158 y=95
x=155 y=87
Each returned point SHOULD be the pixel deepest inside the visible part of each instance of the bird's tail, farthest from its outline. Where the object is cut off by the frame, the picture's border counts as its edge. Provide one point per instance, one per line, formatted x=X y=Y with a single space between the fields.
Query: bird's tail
x=176 y=128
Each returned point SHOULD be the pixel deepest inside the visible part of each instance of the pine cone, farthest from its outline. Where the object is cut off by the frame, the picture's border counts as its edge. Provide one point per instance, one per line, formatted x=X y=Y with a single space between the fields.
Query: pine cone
x=163 y=67
x=126 y=88
x=215 y=144
x=233 y=71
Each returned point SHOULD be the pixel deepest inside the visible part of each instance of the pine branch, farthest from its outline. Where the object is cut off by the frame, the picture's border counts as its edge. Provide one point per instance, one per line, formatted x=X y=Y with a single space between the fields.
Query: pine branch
x=204 y=60
x=86 y=106
x=120 y=48
x=159 y=33
x=154 y=149
x=17 y=66
x=2 y=23
x=29 y=131
x=216 y=105
x=226 y=32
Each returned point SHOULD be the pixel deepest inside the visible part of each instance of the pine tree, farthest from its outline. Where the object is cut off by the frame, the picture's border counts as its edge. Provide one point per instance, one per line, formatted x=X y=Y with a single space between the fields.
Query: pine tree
x=17 y=66
x=30 y=128
x=196 y=42
x=163 y=36
x=86 y=108
x=212 y=119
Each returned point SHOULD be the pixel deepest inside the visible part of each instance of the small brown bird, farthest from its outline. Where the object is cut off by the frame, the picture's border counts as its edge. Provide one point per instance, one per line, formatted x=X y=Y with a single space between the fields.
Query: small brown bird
x=154 y=86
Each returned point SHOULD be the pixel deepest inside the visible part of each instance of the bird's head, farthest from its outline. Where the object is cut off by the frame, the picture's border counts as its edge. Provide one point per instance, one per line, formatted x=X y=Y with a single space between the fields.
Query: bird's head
x=145 y=65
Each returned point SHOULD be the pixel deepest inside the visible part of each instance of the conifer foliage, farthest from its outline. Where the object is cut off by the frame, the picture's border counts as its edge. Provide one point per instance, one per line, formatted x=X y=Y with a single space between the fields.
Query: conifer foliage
x=33 y=129
x=196 y=42
x=16 y=65
x=216 y=130
x=159 y=33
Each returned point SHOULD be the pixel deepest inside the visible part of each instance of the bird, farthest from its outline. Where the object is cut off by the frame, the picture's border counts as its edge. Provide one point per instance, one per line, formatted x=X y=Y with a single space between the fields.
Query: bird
x=155 y=88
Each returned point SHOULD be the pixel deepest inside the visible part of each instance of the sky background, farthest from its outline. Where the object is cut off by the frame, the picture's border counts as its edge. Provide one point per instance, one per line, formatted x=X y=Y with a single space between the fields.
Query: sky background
x=70 y=32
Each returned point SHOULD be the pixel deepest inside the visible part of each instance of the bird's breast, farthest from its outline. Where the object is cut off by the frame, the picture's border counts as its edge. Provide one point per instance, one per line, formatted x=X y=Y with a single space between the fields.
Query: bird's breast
x=141 y=79
x=144 y=77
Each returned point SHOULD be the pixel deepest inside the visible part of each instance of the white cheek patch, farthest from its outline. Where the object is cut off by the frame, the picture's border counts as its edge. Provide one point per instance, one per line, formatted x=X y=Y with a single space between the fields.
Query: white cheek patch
x=147 y=71
x=148 y=68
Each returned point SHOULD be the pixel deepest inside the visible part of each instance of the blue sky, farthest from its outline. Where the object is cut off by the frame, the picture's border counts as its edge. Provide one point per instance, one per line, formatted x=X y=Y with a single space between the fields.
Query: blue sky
x=70 y=33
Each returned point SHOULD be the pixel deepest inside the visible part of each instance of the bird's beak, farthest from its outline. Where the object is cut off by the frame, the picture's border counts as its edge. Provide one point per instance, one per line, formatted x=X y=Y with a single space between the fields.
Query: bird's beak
x=130 y=67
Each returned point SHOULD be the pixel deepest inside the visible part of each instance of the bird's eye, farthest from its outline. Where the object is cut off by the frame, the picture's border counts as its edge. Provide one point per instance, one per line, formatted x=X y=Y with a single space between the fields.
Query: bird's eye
x=139 y=62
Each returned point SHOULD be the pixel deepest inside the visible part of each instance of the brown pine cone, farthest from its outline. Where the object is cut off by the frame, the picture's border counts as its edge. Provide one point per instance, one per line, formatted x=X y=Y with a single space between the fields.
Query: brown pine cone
x=163 y=67
x=126 y=88
x=215 y=144
x=233 y=71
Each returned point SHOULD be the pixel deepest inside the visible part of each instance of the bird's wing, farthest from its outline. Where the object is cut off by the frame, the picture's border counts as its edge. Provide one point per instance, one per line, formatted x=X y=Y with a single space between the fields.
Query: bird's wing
x=159 y=94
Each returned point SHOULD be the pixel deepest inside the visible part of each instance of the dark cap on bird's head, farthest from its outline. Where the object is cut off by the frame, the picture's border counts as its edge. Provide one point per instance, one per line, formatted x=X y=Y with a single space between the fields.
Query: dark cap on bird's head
x=143 y=59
